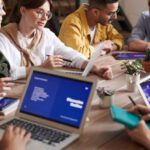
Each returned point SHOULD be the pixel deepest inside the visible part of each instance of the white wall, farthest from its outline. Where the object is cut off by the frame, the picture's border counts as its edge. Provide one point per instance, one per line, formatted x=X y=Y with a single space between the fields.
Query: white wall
x=133 y=9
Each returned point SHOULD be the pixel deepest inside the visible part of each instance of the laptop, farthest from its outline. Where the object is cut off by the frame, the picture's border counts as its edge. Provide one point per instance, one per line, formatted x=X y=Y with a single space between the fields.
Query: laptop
x=53 y=108
x=88 y=68
x=144 y=89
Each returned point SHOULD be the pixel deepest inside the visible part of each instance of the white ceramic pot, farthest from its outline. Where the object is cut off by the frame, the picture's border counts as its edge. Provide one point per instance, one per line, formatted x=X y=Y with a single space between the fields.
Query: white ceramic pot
x=131 y=82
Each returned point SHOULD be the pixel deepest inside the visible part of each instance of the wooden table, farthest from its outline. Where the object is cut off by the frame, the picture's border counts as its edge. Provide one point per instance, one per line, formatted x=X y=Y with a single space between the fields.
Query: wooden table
x=101 y=133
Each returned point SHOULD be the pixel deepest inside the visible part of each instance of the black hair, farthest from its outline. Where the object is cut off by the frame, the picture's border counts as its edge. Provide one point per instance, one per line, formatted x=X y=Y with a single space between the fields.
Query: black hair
x=29 y=4
x=101 y=3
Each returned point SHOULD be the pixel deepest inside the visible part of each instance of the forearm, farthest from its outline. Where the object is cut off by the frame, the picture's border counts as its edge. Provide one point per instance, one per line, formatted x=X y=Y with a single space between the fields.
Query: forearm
x=138 y=45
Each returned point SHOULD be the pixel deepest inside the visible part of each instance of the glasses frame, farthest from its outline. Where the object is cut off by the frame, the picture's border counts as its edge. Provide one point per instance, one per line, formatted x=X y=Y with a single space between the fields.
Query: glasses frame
x=110 y=14
x=41 y=13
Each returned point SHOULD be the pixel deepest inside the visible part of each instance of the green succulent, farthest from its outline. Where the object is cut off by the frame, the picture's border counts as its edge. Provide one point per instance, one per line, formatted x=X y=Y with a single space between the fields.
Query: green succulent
x=132 y=67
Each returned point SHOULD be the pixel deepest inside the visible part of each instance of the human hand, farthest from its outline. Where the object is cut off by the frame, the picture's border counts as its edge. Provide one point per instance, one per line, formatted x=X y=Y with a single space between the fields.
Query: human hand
x=141 y=134
x=5 y=85
x=53 y=61
x=14 y=138
x=108 y=46
x=144 y=111
x=105 y=72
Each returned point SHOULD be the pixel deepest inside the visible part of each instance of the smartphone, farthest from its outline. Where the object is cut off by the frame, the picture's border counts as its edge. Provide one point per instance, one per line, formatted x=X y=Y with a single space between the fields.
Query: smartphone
x=126 y=118
x=125 y=56
x=6 y=102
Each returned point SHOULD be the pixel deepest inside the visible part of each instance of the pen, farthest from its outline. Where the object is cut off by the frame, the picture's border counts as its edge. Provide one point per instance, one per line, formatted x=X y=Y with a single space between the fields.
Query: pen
x=64 y=59
x=15 y=81
x=131 y=99
x=133 y=102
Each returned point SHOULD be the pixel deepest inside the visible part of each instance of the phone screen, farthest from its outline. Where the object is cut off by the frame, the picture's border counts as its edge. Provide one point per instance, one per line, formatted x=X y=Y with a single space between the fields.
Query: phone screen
x=124 y=56
x=4 y=102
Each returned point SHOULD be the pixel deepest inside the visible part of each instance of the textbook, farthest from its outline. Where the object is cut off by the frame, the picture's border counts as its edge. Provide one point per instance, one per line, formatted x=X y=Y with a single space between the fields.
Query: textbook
x=8 y=105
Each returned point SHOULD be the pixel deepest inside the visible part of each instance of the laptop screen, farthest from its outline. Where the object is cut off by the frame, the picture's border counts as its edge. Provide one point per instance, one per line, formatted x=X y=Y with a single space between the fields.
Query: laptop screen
x=56 y=98
x=145 y=86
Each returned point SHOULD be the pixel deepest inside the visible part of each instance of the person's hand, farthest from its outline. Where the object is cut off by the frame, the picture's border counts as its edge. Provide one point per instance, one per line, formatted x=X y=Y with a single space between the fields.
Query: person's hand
x=105 y=72
x=14 y=138
x=5 y=85
x=141 y=134
x=144 y=111
x=53 y=62
x=108 y=46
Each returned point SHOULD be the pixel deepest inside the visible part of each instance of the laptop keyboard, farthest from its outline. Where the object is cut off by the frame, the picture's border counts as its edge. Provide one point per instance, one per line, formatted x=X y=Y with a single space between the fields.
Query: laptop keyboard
x=43 y=134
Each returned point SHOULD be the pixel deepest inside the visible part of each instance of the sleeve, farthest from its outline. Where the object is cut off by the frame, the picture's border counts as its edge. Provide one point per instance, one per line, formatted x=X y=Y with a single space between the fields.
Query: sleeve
x=71 y=35
x=138 y=32
x=9 y=51
x=115 y=36
x=67 y=52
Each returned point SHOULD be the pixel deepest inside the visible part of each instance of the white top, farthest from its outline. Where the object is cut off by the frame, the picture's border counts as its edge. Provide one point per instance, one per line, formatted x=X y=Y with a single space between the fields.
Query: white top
x=92 y=35
x=49 y=45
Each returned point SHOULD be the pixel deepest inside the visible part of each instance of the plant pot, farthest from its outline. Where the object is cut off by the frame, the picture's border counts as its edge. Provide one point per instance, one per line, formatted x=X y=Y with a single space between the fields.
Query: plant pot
x=146 y=65
x=131 y=82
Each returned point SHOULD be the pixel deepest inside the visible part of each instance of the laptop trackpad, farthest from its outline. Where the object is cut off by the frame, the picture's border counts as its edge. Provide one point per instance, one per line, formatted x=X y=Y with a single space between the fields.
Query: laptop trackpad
x=39 y=145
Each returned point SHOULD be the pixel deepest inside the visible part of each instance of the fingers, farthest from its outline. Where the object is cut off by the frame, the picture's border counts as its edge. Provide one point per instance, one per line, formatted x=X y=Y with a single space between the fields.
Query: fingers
x=106 y=73
x=55 y=61
x=146 y=117
x=143 y=109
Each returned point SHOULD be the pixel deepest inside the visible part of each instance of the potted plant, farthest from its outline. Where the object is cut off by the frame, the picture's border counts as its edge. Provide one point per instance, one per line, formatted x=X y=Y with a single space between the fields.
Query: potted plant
x=146 y=61
x=132 y=70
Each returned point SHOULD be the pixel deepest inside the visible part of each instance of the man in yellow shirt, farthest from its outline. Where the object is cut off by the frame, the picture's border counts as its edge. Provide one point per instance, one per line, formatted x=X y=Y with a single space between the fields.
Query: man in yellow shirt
x=88 y=26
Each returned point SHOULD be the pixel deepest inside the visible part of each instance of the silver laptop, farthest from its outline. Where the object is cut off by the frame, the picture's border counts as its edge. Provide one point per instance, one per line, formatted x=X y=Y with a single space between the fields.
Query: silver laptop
x=54 y=108
x=144 y=89
x=89 y=66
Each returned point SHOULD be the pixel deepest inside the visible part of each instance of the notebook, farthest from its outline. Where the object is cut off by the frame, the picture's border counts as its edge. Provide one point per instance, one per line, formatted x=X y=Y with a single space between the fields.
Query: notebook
x=54 y=108
x=127 y=55
x=144 y=89
x=88 y=68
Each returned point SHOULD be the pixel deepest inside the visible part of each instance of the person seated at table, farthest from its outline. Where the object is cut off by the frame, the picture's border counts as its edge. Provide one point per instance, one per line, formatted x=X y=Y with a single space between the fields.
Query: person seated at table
x=139 y=40
x=141 y=134
x=26 y=43
x=88 y=26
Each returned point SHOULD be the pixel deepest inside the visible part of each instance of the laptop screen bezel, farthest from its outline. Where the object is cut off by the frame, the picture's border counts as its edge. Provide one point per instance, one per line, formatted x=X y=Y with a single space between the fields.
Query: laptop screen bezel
x=52 y=123
x=141 y=90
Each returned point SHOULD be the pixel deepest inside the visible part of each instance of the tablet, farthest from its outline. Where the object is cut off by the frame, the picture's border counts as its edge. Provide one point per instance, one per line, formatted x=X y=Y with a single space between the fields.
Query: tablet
x=125 y=56
x=144 y=89
x=126 y=118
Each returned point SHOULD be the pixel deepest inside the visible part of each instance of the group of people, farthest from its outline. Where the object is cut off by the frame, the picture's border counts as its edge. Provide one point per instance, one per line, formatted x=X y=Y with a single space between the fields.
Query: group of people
x=25 y=42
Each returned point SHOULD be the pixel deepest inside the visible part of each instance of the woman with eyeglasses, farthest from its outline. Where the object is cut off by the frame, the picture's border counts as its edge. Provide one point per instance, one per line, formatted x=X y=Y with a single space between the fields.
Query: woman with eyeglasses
x=26 y=43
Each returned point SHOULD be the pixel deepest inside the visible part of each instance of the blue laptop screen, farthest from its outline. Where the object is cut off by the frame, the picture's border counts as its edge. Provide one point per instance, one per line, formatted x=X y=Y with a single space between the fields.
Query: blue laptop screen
x=56 y=98
x=146 y=89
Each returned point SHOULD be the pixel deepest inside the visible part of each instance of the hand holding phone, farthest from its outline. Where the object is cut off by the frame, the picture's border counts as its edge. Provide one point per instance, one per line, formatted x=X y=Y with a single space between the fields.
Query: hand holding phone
x=126 y=118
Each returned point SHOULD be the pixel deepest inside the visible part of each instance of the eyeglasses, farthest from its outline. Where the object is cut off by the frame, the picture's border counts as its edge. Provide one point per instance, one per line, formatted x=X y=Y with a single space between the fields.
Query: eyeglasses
x=110 y=14
x=41 y=13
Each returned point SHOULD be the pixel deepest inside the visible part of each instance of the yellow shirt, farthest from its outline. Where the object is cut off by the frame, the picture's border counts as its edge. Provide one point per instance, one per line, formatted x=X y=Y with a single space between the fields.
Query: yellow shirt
x=75 y=33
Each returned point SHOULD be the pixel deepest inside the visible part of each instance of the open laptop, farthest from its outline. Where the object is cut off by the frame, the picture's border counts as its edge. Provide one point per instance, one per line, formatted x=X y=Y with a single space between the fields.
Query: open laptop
x=53 y=108
x=88 y=68
x=144 y=88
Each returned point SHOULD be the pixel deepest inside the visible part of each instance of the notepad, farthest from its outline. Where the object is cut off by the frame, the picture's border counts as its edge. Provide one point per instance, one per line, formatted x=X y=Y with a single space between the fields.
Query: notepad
x=126 y=118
